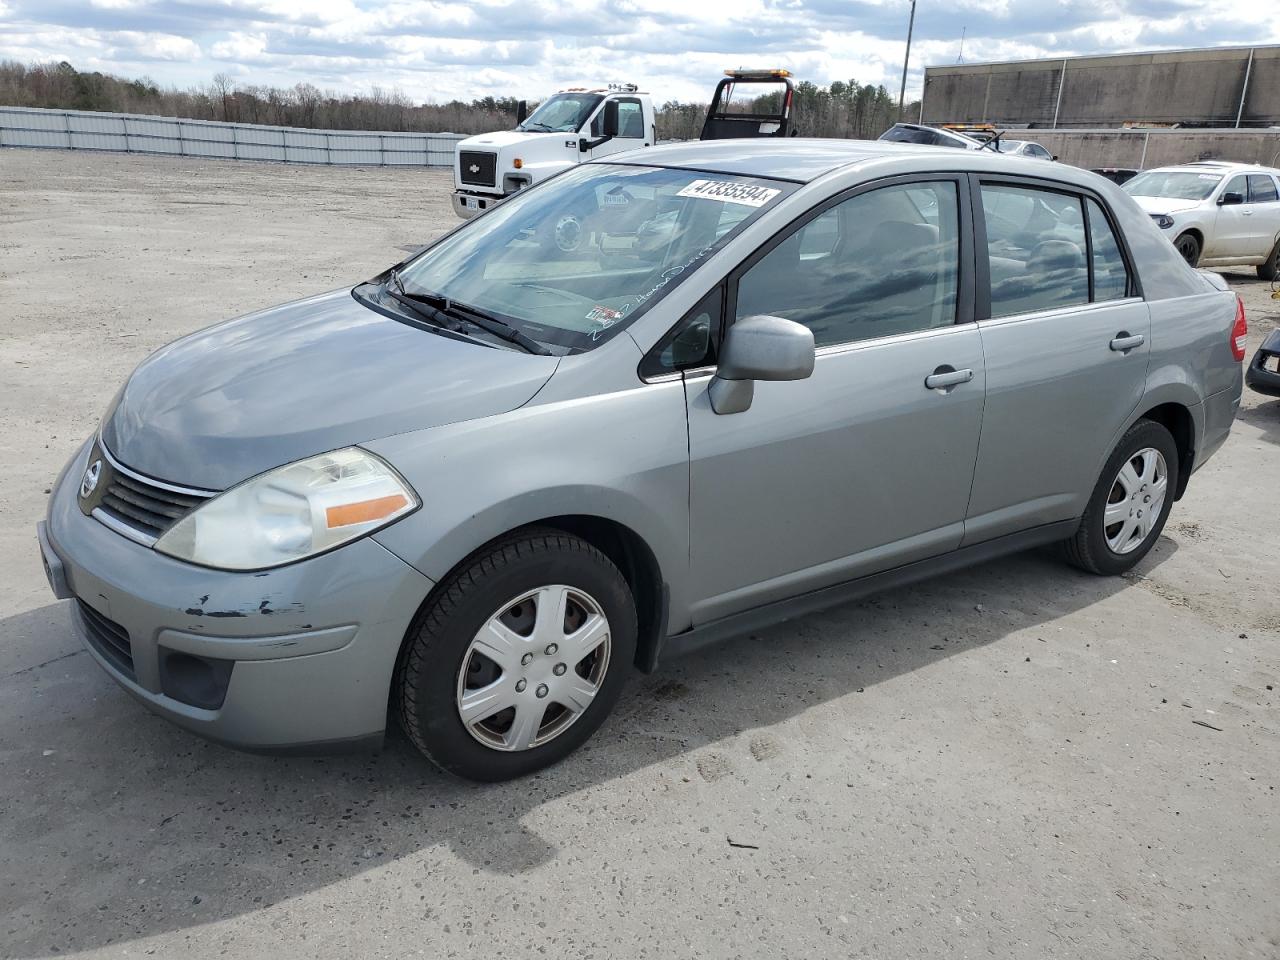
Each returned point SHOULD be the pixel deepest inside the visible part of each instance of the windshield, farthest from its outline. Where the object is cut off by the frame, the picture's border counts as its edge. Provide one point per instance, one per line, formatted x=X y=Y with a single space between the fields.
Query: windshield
x=1175 y=185
x=575 y=260
x=935 y=138
x=563 y=113
x=1010 y=146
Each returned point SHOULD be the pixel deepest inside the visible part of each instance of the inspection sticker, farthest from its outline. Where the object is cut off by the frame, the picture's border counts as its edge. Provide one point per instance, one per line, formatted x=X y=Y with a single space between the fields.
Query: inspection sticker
x=746 y=194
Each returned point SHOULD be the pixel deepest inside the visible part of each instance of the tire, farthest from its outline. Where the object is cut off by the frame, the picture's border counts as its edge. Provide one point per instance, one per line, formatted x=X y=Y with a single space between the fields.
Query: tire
x=1271 y=269
x=442 y=666
x=1103 y=548
x=1189 y=247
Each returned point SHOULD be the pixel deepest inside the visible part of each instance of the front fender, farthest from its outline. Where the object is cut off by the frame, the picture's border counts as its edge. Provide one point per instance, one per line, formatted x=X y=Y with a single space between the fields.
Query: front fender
x=621 y=457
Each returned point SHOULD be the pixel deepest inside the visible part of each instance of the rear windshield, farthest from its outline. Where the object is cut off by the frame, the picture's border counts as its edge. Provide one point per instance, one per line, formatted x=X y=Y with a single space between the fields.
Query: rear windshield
x=575 y=260
x=1174 y=185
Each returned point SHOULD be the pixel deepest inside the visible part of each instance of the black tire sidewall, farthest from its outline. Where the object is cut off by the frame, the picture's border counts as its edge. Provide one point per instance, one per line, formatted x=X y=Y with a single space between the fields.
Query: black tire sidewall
x=439 y=731
x=1190 y=238
x=1145 y=433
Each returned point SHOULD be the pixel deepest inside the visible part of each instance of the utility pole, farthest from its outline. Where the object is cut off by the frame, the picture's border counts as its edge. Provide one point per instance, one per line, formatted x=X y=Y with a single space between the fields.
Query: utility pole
x=902 y=92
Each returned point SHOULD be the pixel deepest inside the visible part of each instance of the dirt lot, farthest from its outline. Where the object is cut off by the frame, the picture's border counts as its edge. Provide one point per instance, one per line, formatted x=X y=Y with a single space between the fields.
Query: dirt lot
x=999 y=763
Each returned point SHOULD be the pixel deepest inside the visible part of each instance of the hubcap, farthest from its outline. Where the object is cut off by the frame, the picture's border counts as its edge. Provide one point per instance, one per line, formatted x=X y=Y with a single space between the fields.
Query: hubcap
x=533 y=668
x=1135 y=501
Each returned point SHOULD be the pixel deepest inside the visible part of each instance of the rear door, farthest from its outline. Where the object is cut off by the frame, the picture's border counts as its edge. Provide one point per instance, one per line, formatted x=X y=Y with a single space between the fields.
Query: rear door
x=868 y=463
x=1065 y=333
x=1264 y=201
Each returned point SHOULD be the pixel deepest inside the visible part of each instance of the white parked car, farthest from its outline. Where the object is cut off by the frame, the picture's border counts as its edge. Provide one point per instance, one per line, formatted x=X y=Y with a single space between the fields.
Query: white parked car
x=1024 y=148
x=1216 y=213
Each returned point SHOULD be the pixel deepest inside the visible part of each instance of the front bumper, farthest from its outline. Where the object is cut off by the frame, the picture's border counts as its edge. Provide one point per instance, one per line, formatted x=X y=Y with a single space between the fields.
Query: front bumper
x=1257 y=376
x=467 y=204
x=294 y=658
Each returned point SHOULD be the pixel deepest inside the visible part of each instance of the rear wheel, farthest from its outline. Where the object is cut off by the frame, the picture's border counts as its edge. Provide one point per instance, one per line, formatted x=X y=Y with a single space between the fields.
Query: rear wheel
x=1188 y=244
x=1130 y=503
x=1271 y=269
x=518 y=658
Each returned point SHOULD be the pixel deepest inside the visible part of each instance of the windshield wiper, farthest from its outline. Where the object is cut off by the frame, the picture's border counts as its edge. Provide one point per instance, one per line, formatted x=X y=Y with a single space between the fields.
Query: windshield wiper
x=460 y=311
x=539 y=123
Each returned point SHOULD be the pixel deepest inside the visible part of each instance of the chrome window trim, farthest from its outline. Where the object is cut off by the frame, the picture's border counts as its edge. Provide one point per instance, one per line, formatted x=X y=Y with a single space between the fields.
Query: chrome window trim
x=1058 y=311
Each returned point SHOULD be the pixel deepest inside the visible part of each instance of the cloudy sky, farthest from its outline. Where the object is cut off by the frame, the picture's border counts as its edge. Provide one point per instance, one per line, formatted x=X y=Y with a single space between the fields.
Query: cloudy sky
x=437 y=50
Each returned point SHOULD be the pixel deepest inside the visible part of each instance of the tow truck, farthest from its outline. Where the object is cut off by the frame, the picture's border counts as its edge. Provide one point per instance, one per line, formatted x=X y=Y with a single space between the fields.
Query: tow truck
x=587 y=123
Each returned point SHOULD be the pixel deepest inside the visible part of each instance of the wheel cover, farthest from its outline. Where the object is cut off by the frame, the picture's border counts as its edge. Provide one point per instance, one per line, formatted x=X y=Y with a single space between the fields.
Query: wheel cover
x=533 y=668
x=1135 y=501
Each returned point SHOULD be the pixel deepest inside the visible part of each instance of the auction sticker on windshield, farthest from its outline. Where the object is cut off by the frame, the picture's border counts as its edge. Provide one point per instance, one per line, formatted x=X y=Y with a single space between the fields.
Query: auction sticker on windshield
x=729 y=191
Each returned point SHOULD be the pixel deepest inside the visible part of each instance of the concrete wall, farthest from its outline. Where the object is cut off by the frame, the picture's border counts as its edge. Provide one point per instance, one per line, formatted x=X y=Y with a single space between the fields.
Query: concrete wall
x=1189 y=86
x=1143 y=149
x=130 y=133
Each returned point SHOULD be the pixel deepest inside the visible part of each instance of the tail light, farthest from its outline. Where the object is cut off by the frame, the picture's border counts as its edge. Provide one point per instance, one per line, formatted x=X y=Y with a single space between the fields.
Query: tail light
x=1239 y=331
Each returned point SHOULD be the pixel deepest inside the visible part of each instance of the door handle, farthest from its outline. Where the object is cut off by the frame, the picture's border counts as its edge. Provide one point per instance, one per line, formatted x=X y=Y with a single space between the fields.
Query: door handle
x=1123 y=343
x=1246 y=213
x=944 y=378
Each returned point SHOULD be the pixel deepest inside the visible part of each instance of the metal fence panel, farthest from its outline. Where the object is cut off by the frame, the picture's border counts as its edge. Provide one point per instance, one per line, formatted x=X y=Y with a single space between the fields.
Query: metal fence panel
x=88 y=130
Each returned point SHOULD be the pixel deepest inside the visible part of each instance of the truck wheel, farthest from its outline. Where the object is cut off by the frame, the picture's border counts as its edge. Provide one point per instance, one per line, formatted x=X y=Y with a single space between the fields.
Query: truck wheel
x=1271 y=269
x=566 y=232
x=1189 y=247
x=1130 y=504
x=518 y=657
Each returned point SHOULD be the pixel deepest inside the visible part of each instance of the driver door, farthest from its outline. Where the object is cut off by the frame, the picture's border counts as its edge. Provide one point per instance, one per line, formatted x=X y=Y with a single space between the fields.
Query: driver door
x=863 y=466
x=631 y=129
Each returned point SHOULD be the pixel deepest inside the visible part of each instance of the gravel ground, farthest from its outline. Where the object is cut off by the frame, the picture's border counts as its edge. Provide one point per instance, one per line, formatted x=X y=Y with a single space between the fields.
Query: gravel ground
x=1002 y=762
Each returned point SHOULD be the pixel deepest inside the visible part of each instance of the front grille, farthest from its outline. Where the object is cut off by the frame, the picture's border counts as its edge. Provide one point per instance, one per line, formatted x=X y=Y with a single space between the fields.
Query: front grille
x=145 y=506
x=108 y=638
x=134 y=505
x=478 y=168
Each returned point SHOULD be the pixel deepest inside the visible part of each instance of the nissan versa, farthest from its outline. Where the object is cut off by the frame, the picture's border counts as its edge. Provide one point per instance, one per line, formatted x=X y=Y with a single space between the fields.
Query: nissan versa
x=744 y=380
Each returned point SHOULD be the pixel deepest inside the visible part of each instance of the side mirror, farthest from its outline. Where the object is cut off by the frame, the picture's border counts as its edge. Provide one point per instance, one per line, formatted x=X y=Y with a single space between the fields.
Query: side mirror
x=759 y=348
x=1230 y=199
x=609 y=121
x=1054 y=157
x=522 y=112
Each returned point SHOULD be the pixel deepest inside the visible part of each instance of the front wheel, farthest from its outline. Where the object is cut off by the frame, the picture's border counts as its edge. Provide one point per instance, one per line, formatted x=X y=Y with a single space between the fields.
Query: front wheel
x=1189 y=246
x=518 y=657
x=1130 y=503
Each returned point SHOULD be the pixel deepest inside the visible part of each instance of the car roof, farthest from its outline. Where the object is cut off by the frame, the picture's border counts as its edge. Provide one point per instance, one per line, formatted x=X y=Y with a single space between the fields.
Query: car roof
x=1215 y=166
x=794 y=158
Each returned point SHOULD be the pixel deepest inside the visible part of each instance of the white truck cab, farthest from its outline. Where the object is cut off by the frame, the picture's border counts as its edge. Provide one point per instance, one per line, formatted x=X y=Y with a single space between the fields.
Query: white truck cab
x=571 y=127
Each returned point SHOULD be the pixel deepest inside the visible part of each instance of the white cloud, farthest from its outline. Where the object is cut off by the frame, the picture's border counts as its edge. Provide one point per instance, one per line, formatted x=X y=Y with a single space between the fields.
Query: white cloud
x=444 y=49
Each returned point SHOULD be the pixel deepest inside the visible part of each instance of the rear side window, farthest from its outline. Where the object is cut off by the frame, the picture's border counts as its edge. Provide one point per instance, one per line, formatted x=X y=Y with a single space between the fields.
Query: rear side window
x=1262 y=189
x=881 y=263
x=1110 y=274
x=1037 y=249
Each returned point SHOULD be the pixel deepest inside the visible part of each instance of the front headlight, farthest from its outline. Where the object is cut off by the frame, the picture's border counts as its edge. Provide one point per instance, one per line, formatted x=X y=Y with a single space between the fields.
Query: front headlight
x=1163 y=220
x=292 y=512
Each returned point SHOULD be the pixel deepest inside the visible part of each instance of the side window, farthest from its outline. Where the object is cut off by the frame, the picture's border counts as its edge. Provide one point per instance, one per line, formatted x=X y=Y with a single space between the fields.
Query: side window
x=1238 y=185
x=1036 y=249
x=1110 y=275
x=691 y=342
x=1262 y=189
x=1038 y=151
x=880 y=263
x=630 y=120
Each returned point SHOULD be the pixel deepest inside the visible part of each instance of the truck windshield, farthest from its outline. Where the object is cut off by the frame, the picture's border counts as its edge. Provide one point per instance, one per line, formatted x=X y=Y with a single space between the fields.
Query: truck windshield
x=574 y=261
x=563 y=113
x=1172 y=186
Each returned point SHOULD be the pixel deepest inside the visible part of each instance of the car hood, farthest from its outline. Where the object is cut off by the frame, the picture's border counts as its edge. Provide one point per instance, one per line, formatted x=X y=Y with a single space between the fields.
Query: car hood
x=236 y=399
x=1169 y=205
x=502 y=138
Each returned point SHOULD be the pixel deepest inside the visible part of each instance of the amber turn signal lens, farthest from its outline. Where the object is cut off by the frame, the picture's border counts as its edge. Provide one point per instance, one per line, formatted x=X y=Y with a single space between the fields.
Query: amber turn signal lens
x=363 y=511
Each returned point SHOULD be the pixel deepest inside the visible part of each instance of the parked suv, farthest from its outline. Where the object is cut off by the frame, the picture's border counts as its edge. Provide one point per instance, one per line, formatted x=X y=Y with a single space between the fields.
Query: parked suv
x=1216 y=213
x=476 y=490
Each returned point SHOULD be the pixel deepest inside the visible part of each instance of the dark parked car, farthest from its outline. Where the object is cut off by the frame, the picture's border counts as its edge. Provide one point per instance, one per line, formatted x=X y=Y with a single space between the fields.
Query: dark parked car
x=1263 y=374
x=1116 y=174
